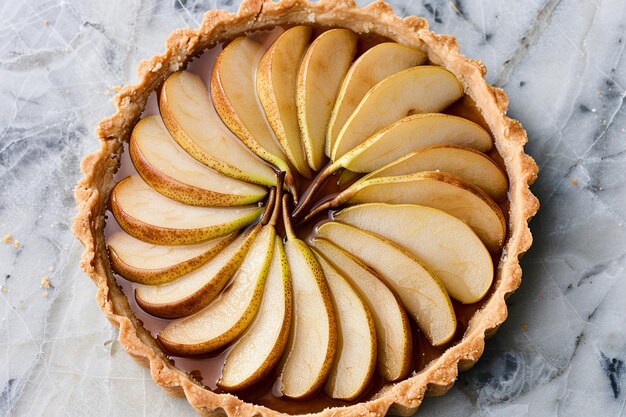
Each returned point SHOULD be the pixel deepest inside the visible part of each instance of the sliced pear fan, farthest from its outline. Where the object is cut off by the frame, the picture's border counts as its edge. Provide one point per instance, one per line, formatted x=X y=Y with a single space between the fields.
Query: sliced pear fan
x=260 y=348
x=444 y=243
x=373 y=66
x=153 y=218
x=423 y=89
x=234 y=95
x=356 y=355
x=421 y=292
x=171 y=171
x=467 y=164
x=149 y=264
x=323 y=67
x=191 y=119
x=438 y=190
x=313 y=341
x=393 y=331
x=277 y=76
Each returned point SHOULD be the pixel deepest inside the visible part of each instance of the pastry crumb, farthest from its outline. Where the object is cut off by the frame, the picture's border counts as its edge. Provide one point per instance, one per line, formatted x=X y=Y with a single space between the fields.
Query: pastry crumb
x=51 y=269
x=4 y=290
x=574 y=181
x=524 y=327
x=46 y=22
x=44 y=294
x=8 y=238
x=16 y=244
x=116 y=88
x=45 y=282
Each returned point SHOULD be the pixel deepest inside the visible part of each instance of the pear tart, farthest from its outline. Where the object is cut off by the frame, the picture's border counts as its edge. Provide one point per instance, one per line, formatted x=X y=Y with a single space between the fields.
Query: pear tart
x=322 y=214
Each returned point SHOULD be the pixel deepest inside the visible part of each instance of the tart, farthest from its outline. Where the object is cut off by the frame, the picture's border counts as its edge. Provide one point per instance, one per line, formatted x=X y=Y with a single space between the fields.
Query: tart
x=320 y=210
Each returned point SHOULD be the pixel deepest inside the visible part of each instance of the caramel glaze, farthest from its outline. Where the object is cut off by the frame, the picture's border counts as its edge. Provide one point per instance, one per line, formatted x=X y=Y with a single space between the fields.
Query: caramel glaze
x=263 y=393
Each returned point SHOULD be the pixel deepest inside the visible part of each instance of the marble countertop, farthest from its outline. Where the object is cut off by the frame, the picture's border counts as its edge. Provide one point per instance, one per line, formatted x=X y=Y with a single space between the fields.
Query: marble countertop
x=562 y=350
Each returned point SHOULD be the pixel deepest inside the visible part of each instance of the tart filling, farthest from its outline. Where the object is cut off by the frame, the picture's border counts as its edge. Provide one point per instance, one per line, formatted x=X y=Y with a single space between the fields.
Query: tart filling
x=312 y=218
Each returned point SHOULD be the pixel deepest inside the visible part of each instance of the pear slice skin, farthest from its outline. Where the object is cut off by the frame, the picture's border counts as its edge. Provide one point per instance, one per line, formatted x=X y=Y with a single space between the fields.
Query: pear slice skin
x=260 y=348
x=422 y=89
x=276 y=82
x=149 y=264
x=231 y=313
x=311 y=351
x=373 y=66
x=194 y=291
x=421 y=292
x=439 y=190
x=412 y=133
x=444 y=243
x=356 y=355
x=234 y=95
x=147 y=215
x=393 y=331
x=167 y=168
x=191 y=119
x=468 y=164
x=322 y=70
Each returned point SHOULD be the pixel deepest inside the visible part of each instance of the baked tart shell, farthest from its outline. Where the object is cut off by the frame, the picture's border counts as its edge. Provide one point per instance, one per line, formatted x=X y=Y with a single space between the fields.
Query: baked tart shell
x=98 y=168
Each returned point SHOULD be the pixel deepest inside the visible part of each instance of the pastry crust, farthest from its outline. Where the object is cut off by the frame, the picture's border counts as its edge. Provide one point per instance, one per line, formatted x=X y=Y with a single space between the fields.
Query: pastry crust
x=98 y=168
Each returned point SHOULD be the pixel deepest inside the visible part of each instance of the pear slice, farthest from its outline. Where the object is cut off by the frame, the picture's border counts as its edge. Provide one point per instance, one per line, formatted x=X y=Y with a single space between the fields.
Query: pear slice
x=191 y=119
x=167 y=168
x=323 y=68
x=232 y=312
x=421 y=292
x=149 y=264
x=313 y=341
x=444 y=243
x=400 y=138
x=276 y=81
x=260 y=348
x=373 y=66
x=438 y=190
x=147 y=215
x=192 y=292
x=393 y=331
x=423 y=89
x=234 y=95
x=466 y=163
x=356 y=354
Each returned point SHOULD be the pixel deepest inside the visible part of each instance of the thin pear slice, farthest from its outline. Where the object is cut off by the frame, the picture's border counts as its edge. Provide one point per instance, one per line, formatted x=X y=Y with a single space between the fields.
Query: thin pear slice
x=313 y=341
x=421 y=292
x=444 y=243
x=234 y=95
x=276 y=81
x=438 y=190
x=147 y=215
x=231 y=313
x=356 y=354
x=192 y=292
x=466 y=163
x=191 y=119
x=373 y=66
x=167 y=168
x=323 y=68
x=149 y=264
x=423 y=89
x=393 y=331
x=260 y=348
x=400 y=138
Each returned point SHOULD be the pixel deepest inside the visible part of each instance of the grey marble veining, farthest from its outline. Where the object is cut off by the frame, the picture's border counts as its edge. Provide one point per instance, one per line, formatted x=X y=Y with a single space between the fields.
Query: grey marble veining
x=562 y=350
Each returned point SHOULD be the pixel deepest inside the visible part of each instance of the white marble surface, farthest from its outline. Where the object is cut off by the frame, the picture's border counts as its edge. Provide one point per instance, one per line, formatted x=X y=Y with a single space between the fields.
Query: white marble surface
x=562 y=351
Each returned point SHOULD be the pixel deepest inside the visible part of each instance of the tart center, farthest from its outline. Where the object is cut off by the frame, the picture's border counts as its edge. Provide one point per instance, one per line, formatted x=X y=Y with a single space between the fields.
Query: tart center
x=309 y=216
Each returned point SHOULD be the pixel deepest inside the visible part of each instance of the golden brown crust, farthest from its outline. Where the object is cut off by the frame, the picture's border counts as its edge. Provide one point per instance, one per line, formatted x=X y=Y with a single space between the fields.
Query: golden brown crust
x=92 y=191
